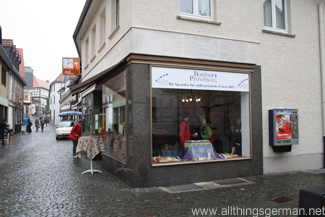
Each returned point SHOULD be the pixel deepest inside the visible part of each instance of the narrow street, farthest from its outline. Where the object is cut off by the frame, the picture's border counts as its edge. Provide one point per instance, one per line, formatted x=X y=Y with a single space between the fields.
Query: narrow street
x=39 y=177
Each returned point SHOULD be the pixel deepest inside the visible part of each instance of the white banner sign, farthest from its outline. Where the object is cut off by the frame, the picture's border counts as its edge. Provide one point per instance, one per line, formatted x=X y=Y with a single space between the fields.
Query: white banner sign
x=199 y=80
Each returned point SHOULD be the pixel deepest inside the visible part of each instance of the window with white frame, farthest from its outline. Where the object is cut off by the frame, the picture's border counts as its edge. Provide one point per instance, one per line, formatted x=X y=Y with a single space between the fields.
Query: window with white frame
x=199 y=8
x=102 y=27
x=275 y=14
x=115 y=15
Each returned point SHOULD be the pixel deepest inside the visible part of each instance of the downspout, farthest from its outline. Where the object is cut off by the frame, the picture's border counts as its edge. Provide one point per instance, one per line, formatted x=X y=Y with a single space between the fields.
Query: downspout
x=322 y=64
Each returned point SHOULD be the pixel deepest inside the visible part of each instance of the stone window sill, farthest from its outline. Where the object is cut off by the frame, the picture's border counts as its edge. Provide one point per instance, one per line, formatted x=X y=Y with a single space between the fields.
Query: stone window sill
x=101 y=47
x=113 y=33
x=278 y=33
x=197 y=20
x=92 y=59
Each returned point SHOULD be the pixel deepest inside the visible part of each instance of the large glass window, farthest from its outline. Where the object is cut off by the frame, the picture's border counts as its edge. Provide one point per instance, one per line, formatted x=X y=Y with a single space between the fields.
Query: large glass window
x=114 y=118
x=275 y=16
x=213 y=105
x=196 y=7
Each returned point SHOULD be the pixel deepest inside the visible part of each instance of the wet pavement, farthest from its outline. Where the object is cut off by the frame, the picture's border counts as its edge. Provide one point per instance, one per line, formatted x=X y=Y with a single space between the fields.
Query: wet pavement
x=39 y=177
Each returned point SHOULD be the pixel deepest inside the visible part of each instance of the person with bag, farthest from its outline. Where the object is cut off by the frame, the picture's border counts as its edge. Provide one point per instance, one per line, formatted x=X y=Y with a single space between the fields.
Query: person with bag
x=37 y=124
x=74 y=135
x=42 y=123
x=29 y=126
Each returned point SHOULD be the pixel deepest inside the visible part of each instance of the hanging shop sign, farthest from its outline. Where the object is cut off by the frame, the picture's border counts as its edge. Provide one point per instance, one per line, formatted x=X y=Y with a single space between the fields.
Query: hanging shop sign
x=199 y=80
x=70 y=66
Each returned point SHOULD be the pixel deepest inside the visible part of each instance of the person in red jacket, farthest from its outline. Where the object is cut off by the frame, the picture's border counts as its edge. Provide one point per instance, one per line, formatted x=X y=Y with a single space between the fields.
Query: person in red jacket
x=76 y=132
x=184 y=131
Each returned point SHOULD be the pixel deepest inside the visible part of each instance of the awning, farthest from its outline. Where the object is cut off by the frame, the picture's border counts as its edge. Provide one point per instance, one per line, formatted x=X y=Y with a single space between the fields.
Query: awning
x=75 y=105
x=88 y=90
x=94 y=80
x=4 y=101
x=69 y=113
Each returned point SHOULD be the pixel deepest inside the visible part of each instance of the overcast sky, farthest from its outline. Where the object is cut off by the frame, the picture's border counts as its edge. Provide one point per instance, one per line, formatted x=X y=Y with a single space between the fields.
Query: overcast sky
x=44 y=30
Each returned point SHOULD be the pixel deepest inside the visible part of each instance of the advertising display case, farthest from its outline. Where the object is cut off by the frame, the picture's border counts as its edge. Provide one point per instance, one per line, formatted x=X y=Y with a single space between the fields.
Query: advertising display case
x=283 y=129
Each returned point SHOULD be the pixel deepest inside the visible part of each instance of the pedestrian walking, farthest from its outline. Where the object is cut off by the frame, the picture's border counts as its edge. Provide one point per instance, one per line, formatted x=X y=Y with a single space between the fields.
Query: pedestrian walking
x=37 y=124
x=3 y=127
x=42 y=123
x=29 y=126
x=74 y=135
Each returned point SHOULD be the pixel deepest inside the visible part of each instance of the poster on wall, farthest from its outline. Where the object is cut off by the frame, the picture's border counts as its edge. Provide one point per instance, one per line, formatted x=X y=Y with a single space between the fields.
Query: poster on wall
x=283 y=130
x=199 y=80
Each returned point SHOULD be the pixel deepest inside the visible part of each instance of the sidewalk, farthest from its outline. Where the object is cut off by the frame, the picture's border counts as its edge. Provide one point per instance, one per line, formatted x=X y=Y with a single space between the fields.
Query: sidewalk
x=39 y=177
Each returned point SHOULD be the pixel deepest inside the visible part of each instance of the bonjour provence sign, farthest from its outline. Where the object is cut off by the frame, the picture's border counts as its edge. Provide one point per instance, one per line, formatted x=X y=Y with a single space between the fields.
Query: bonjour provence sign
x=199 y=80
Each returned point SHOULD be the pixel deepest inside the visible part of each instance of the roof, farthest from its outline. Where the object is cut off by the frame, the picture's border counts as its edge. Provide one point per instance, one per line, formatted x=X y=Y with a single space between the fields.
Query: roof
x=60 y=78
x=80 y=22
x=4 y=56
x=22 y=64
x=40 y=83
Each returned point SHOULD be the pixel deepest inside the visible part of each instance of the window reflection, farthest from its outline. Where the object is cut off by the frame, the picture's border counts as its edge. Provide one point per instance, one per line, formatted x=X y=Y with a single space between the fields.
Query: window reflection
x=114 y=119
x=186 y=6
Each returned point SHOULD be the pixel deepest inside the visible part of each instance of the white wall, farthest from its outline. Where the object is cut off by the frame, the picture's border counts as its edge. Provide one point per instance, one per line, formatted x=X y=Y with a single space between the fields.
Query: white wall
x=290 y=66
x=125 y=25
x=55 y=104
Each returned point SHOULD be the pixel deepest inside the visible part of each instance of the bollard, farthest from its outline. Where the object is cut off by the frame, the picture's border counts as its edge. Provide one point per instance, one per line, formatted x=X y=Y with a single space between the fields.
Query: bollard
x=312 y=201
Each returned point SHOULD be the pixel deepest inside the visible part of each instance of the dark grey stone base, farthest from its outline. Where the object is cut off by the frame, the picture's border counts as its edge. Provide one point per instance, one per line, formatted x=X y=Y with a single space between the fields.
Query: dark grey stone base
x=139 y=144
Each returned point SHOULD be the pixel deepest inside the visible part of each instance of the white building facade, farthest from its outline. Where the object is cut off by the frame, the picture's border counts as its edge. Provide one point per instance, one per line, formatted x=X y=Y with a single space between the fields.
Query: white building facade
x=54 y=99
x=277 y=46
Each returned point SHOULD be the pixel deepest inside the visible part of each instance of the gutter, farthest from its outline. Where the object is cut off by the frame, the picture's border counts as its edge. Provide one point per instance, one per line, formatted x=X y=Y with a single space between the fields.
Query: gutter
x=80 y=22
x=322 y=64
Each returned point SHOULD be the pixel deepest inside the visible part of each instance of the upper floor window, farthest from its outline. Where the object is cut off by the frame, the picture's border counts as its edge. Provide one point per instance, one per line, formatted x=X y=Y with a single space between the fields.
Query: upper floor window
x=86 y=55
x=275 y=14
x=26 y=95
x=200 y=8
x=93 y=42
x=102 y=27
x=117 y=10
x=4 y=77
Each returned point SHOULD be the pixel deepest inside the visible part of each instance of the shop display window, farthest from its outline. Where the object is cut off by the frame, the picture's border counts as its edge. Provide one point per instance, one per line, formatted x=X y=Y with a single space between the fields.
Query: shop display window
x=202 y=95
x=114 y=118
x=92 y=114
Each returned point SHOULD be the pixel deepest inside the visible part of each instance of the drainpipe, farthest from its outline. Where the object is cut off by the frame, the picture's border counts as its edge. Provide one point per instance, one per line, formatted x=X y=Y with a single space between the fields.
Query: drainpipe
x=322 y=64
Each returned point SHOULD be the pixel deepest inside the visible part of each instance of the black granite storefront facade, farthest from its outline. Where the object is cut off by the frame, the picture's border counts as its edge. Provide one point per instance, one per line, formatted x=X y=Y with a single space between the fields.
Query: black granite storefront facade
x=143 y=174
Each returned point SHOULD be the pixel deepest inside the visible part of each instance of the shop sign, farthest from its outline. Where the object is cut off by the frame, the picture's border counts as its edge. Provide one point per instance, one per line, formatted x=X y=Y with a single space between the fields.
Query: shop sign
x=70 y=66
x=199 y=80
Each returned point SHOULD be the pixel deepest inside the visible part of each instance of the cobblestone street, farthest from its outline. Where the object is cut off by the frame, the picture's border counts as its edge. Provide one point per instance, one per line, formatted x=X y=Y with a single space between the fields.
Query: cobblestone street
x=39 y=177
